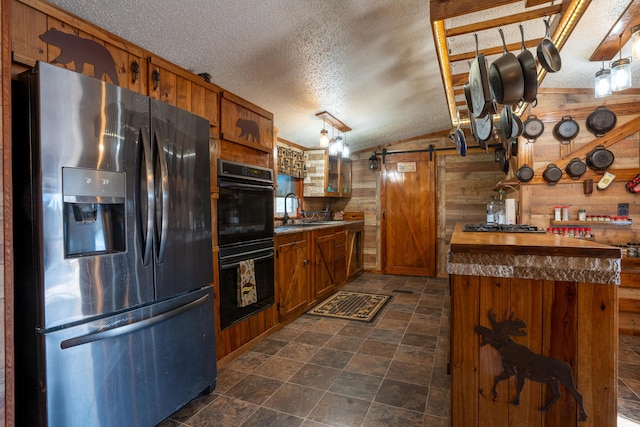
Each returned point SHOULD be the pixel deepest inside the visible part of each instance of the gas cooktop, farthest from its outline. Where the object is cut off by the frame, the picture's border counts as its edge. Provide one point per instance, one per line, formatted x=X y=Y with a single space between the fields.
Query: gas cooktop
x=504 y=228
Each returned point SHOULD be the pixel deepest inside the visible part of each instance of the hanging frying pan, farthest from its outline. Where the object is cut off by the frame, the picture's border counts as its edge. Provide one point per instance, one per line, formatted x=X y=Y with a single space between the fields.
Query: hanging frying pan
x=501 y=157
x=566 y=129
x=601 y=121
x=517 y=128
x=505 y=77
x=525 y=173
x=506 y=121
x=575 y=168
x=548 y=54
x=478 y=79
x=513 y=146
x=600 y=158
x=532 y=128
x=529 y=72
x=484 y=127
x=552 y=174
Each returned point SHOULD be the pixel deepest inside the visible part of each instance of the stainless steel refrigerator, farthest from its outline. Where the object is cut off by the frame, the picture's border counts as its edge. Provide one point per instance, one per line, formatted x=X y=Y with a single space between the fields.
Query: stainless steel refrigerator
x=114 y=317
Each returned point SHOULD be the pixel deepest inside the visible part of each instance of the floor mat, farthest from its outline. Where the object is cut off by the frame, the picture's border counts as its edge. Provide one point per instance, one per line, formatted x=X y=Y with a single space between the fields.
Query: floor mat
x=351 y=305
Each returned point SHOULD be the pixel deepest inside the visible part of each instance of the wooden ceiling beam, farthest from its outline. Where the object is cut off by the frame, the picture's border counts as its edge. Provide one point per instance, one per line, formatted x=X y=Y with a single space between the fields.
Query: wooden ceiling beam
x=504 y=21
x=610 y=44
x=444 y=9
x=333 y=121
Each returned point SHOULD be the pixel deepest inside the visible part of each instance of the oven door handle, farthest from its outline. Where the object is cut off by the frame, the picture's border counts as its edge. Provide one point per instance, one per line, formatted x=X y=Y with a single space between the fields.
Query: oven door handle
x=237 y=186
x=236 y=264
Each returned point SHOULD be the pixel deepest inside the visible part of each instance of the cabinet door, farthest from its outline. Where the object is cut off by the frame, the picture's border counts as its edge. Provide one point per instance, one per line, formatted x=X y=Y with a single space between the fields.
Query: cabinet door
x=345 y=177
x=324 y=256
x=332 y=177
x=354 y=256
x=292 y=276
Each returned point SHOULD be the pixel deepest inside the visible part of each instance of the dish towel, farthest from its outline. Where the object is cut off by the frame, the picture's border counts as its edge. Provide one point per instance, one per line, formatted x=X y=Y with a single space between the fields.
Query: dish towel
x=247 y=294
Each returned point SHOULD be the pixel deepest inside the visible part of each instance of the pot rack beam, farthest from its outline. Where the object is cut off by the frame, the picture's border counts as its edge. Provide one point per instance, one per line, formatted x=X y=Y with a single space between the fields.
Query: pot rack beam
x=570 y=13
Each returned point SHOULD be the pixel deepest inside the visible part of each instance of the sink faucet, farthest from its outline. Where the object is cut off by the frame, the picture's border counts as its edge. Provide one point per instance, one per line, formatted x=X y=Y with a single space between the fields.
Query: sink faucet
x=285 y=219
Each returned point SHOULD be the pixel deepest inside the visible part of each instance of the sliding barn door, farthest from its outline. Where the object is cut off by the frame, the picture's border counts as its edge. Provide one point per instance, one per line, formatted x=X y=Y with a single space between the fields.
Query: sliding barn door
x=409 y=230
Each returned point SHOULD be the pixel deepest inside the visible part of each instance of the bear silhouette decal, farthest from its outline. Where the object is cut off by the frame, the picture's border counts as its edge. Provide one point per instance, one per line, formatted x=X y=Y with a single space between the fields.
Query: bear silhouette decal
x=81 y=51
x=249 y=130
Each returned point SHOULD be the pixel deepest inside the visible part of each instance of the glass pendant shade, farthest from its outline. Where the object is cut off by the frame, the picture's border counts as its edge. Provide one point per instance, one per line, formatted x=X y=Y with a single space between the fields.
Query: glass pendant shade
x=324 y=138
x=345 y=151
x=635 y=43
x=621 y=74
x=603 y=83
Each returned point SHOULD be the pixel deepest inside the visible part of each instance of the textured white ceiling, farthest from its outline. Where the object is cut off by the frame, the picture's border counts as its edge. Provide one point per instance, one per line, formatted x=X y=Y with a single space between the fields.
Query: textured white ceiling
x=371 y=63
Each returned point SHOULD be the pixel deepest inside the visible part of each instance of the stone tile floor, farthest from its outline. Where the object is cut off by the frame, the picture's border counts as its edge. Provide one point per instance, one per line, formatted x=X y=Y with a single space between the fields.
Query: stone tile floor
x=319 y=371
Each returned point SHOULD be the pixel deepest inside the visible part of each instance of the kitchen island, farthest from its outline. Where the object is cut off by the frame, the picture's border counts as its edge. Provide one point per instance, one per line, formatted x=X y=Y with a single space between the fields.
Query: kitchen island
x=533 y=330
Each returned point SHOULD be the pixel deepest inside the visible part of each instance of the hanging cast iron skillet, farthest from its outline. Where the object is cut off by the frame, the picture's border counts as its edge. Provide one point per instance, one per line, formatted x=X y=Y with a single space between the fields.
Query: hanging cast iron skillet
x=566 y=129
x=600 y=158
x=548 y=54
x=529 y=72
x=575 y=168
x=524 y=173
x=601 y=121
x=513 y=146
x=478 y=79
x=552 y=174
x=505 y=77
x=501 y=156
x=517 y=128
x=484 y=128
x=506 y=121
x=532 y=128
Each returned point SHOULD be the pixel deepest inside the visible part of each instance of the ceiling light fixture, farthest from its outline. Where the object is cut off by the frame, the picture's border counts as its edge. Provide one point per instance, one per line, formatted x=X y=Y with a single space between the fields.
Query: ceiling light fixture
x=324 y=136
x=635 y=43
x=621 y=72
x=337 y=146
x=603 y=82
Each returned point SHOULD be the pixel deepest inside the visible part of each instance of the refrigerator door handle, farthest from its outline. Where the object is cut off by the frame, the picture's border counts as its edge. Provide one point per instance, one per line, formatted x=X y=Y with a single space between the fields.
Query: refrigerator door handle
x=164 y=198
x=146 y=174
x=132 y=327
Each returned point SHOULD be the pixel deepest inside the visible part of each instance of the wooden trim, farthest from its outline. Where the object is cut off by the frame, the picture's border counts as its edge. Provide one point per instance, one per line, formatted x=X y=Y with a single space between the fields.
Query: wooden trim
x=156 y=60
x=7 y=185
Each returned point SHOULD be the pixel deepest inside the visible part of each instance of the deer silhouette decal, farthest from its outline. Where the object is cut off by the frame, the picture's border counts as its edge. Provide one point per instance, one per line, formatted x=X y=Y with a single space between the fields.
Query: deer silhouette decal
x=520 y=361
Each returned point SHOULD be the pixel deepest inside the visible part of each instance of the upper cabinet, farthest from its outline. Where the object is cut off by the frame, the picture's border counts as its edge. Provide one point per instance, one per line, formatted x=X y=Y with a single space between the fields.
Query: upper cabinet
x=246 y=124
x=326 y=176
x=183 y=89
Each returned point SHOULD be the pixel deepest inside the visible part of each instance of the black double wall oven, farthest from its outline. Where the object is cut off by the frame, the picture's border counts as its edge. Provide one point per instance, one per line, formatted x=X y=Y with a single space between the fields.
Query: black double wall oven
x=245 y=233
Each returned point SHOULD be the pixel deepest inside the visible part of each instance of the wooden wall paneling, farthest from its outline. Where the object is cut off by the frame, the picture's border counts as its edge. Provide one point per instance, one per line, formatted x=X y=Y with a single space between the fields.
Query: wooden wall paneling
x=597 y=377
x=464 y=349
x=165 y=88
x=494 y=295
x=212 y=110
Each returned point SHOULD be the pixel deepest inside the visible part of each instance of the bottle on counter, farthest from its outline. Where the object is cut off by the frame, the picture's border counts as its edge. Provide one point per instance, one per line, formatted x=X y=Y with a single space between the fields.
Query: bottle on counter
x=492 y=208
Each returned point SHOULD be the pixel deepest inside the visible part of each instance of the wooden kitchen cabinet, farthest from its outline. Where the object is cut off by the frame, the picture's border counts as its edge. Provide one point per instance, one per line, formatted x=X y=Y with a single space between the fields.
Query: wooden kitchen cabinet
x=183 y=89
x=327 y=176
x=341 y=252
x=323 y=256
x=292 y=274
x=629 y=297
x=42 y=32
x=354 y=250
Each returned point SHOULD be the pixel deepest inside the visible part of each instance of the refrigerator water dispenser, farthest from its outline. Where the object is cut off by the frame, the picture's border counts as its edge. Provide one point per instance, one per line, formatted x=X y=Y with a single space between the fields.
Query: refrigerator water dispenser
x=94 y=211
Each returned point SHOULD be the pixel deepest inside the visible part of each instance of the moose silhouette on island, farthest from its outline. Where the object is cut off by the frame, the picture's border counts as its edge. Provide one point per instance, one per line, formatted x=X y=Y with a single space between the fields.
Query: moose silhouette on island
x=520 y=361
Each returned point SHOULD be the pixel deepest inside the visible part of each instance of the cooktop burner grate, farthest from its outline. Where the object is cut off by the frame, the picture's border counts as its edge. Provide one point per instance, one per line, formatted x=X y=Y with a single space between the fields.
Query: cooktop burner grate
x=504 y=228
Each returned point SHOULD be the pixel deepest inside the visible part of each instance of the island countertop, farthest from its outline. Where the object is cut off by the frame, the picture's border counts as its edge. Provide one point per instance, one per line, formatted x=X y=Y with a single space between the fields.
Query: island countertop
x=532 y=256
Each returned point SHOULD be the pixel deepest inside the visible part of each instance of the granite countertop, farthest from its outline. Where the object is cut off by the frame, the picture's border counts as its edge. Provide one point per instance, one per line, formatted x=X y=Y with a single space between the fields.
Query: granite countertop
x=533 y=256
x=309 y=226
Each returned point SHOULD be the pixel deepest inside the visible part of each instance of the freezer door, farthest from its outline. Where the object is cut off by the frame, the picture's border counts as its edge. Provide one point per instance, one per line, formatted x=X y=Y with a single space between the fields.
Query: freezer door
x=182 y=234
x=134 y=369
x=76 y=167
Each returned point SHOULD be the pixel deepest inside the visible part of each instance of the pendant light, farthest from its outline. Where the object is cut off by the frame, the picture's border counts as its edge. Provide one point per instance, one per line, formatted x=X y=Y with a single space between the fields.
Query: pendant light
x=324 y=136
x=603 y=82
x=621 y=72
x=635 y=43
